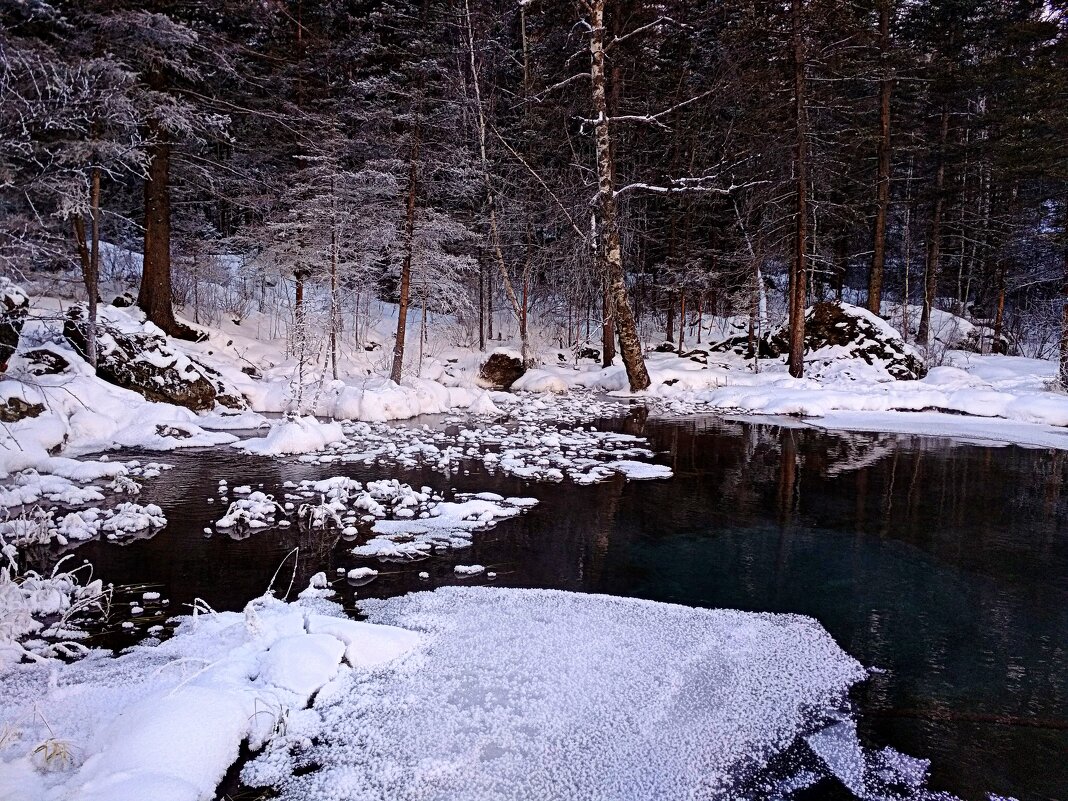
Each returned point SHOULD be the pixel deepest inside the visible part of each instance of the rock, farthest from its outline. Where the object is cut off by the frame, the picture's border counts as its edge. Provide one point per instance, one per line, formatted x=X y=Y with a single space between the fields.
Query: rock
x=124 y=301
x=501 y=370
x=589 y=353
x=740 y=345
x=697 y=355
x=147 y=363
x=42 y=361
x=251 y=371
x=172 y=432
x=665 y=347
x=15 y=409
x=835 y=332
x=976 y=339
x=372 y=346
x=843 y=331
x=14 y=304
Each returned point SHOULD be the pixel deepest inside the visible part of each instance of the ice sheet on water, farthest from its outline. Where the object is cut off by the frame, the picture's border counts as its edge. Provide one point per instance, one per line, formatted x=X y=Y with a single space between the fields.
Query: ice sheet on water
x=882 y=775
x=524 y=694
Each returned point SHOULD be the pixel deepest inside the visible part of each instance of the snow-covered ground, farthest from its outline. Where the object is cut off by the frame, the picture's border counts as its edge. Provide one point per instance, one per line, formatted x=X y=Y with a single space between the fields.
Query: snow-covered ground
x=251 y=358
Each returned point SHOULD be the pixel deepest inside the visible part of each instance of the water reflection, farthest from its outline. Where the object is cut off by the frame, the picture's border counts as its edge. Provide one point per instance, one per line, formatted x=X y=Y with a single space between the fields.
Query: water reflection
x=945 y=567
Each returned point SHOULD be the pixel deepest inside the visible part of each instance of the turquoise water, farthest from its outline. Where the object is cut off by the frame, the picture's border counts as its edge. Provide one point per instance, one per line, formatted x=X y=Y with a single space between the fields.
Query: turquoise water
x=943 y=566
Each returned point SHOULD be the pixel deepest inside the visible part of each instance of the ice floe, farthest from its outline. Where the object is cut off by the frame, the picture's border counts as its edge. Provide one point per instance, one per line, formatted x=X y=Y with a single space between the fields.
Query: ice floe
x=520 y=694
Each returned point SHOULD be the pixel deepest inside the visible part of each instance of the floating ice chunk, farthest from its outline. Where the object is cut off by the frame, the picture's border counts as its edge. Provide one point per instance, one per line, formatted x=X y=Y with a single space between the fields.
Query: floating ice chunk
x=640 y=470
x=468 y=570
x=363 y=574
x=840 y=750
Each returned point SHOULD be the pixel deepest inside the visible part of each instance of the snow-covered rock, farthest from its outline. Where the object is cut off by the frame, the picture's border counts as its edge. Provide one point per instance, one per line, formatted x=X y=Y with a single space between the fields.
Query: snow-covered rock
x=138 y=356
x=836 y=333
x=502 y=369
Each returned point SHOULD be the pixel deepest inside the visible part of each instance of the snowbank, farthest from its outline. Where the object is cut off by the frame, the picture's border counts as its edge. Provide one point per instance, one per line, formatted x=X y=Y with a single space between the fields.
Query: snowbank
x=165 y=722
x=83 y=414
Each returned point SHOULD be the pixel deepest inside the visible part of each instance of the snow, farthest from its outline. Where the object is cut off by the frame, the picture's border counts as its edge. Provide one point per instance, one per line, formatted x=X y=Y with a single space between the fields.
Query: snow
x=445 y=524
x=468 y=570
x=502 y=700
x=362 y=574
x=295 y=435
x=165 y=722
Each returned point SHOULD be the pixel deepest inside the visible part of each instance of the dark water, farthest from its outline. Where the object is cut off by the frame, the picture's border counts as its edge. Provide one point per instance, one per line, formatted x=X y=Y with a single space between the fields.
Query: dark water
x=944 y=566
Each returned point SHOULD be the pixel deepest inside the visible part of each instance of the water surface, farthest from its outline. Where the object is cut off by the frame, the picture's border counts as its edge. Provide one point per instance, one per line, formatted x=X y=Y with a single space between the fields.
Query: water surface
x=944 y=566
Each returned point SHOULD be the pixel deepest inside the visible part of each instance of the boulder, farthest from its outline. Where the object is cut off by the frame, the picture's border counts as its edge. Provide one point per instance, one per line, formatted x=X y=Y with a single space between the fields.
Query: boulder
x=740 y=345
x=839 y=331
x=124 y=301
x=589 y=353
x=147 y=363
x=42 y=361
x=14 y=409
x=836 y=333
x=501 y=370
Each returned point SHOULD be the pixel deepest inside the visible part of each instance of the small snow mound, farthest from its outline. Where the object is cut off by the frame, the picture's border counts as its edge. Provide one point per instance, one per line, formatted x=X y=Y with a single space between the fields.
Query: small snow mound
x=469 y=570
x=293 y=436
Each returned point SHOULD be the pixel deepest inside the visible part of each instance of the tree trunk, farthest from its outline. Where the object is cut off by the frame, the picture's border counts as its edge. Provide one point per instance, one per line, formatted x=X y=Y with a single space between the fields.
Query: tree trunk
x=1002 y=271
x=89 y=255
x=406 y=265
x=906 y=314
x=1064 y=308
x=422 y=330
x=841 y=265
x=670 y=316
x=682 y=322
x=154 y=296
x=999 y=313
x=489 y=305
x=701 y=314
x=611 y=252
x=930 y=276
x=882 y=201
x=608 y=329
x=797 y=266
x=481 y=301
x=335 y=306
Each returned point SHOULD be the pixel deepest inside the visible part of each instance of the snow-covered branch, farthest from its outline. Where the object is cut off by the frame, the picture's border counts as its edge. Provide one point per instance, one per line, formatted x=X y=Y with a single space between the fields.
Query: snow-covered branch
x=642 y=29
x=687 y=185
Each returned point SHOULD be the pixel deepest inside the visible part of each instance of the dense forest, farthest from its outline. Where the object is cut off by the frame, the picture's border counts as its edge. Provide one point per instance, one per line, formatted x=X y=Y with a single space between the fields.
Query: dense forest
x=607 y=167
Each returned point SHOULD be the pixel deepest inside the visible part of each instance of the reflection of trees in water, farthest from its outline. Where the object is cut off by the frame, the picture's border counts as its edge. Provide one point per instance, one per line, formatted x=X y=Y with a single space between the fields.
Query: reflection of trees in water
x=947 y=498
